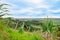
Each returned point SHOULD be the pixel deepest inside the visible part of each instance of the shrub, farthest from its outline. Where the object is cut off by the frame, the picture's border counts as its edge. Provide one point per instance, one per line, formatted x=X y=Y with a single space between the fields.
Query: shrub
x=21 y=31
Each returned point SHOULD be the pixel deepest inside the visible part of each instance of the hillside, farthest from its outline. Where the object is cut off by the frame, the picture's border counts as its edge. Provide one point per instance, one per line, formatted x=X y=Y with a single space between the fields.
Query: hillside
x=7 y=33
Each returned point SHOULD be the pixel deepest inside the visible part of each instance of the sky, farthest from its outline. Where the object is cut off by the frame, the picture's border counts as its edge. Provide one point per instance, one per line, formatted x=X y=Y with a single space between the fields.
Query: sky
x=33 y=8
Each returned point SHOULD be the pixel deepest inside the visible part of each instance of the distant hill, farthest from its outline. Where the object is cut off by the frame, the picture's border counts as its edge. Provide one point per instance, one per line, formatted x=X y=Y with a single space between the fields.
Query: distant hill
x=56 y=21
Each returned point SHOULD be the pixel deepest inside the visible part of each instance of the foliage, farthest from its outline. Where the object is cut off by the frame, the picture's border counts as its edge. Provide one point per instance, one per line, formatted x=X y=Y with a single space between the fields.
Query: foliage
x=12 y=34
x=3 y=10
x=50 y=26
x=21 y=31
x=47 y=26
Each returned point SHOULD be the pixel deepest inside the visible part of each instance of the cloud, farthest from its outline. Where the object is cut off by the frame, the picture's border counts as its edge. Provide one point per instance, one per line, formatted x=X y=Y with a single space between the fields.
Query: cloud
x=11 y=5
x=37 y=3
x=27 y=10
x=24 y=10
x=51 y=16
x=43 y=6
x=33 y=1
x=54 y=11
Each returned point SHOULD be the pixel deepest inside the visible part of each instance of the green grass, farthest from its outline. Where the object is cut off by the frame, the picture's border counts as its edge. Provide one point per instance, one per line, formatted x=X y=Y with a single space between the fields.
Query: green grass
x=25 y=36
x=11 y=34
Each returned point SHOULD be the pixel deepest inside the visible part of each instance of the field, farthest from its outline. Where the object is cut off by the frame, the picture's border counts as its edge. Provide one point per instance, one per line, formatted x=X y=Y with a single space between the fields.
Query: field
x=29 y=29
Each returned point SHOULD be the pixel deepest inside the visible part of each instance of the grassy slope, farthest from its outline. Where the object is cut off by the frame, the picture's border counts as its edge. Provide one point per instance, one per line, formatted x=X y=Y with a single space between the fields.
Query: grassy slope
x=10 y=34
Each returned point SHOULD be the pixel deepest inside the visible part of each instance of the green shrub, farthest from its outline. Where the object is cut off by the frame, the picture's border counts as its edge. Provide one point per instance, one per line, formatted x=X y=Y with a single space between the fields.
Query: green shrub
x=21 y=31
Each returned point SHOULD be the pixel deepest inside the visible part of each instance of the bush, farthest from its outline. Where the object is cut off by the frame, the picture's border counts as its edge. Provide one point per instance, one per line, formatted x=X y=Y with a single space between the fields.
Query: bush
x=21 y=31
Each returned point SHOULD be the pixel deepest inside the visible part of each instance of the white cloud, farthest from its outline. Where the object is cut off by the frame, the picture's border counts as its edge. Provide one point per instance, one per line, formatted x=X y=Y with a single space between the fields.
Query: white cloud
x=55 y=11
x=43 y=6
x=24 y=10
x=33 y=1
x=33 y=4
x=37 y=3
x=32 y=16
x=29 y=11
x=21 y=11
x=11 y=5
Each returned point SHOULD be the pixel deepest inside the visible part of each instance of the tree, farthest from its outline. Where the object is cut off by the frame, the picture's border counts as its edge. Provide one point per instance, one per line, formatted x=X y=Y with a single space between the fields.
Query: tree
x=3 y=10
x=17 y=21
x=47 y=29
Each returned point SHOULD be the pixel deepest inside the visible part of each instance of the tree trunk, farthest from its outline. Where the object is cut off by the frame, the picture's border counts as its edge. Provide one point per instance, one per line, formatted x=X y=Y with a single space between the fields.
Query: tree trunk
x=16 y=25
x=47 y=36
x=23 y=26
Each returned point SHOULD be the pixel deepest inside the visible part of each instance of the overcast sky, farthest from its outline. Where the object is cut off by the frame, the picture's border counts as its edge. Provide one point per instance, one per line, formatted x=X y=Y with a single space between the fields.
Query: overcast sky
x=34 y=8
